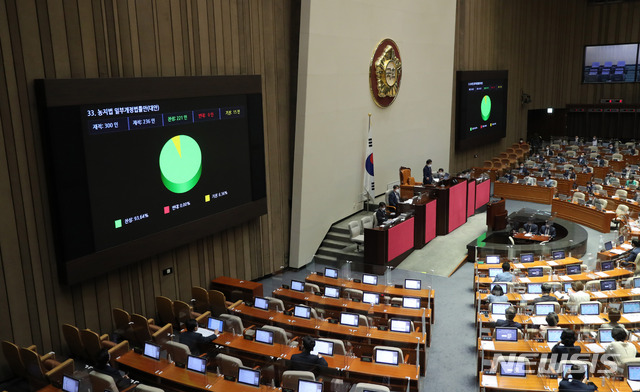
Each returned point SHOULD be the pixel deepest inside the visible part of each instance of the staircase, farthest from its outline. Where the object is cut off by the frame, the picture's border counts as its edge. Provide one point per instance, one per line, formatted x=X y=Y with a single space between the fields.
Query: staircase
x=336 y=248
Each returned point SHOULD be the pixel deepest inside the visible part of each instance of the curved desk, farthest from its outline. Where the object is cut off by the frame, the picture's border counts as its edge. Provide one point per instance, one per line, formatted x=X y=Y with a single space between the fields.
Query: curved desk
x=532 y=193
x=584 y=215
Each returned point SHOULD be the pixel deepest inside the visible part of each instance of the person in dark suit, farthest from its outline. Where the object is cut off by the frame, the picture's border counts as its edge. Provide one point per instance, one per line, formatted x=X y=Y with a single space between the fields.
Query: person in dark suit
x=102 y=365
x=546 y=294
x=509 y=315
x=566 y=343
x=427 y=174
x=193 y=339
x=394 y=197
x=530 y=227
x=548 y=229
x=561 y=159
x=600 y=161
x=582 y=160
x=305 y=360
x=523 y=170
x=575 y=383
x=381 y=214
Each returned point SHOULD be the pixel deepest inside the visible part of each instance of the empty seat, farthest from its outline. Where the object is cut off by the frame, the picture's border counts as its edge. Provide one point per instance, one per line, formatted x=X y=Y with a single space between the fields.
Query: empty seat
x=179 y=352
x=365 y=387
x=93 y=343
x=275 y=304
x=71 y=335
x=311 y=287
x=280 y=335
x=234 y=325
x=164 y=307
x=352 y=294
x=228 y=365
x=356 y=237
x=43 y=370
x=290 y=378
x=577 y=196
x=621 y=193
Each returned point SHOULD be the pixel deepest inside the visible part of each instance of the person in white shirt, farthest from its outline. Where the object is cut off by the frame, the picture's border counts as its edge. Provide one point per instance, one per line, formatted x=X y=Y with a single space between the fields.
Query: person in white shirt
x=620 y=350
x=577 y=297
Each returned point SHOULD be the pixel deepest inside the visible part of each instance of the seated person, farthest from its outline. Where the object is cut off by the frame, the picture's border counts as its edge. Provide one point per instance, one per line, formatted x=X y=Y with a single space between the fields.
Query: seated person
x=631 y=181
x=612 y=148
x=193 y=339
x=548 y=229
x=497 y=295
x=381 y=213
x=620 y=350
x=305 y=360
x=570 y=174
x=561 y=159
x=600 y=161
x=614 y=316
x=586 y=169
x=577 y=297
x=633 y=254
x=530 y=227
x=552 y=320
x=102 y=365
x=547 y=181
x=505 y=275
x=441 y=175
x=509 y=315
x=575 y=383
x=523 y=170
x=566 y=343
x=394 y=197
x=546 y=294
x=582 y=160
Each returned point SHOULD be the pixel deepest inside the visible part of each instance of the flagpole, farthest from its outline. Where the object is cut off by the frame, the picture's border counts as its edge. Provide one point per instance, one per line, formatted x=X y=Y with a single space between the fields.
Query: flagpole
x=366 y=200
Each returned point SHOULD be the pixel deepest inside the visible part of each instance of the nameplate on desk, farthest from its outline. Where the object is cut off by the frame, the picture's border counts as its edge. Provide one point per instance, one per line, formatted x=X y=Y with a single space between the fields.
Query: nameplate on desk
x=594 y=348
x=229 y=378
x=333 y=321
x=398 y=305
x=565 y=277
x=357 y=281
x=552 y=263
x=137 y=350
x=365 y=359
x=356 y=300
x=248 y=337
x=519 y=266
x=382 y=327
x=179 y=365
x=489 y=381
x=487 y=345
x=525 y=280
x=288 y=313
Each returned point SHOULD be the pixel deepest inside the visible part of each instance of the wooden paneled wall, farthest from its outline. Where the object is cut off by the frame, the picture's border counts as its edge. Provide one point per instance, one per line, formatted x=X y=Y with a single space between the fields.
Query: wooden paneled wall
x=125 y=38
x=540 y=43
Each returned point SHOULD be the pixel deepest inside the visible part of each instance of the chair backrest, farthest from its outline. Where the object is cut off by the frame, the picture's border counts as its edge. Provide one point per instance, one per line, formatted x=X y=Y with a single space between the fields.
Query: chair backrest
x=217 y=302
x=617 y=157
x=405 y=173
x=33 y=365
x=367 y=222
x=604 y=203
x=571 y=153
x=164 y=307
x=597 y=187
x=621 y=193
x=179 y=352
x=102 y=382
x=12 y=355
x=183 y=311
x=363 y=387
x=354 y=229
x=554 y=183
x=201 y=298
x=124 y=326
x=352 y=293
x=338 y=346
x=622 y=210
x=363 y=321
x=311 y=287
x=228 y=365
x=232 y=324
x=389 y=348
x=279 y=334
x=386 y=196
x=141 y=330
x=71 y=335
x=275 y=304
x=592 y=285
x=290 y=378
x=578 y=196
x=91 y=342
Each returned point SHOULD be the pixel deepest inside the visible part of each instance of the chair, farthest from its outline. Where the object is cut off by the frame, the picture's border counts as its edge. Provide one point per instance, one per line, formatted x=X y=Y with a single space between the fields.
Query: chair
x=184 y=312
x=556 y=305
x=144 y=332
x=592 y=285
x=363 y=321
x=228 y=365
x=367 y=222
x=124 y=325
x=200 y=299
x=500 y=358
x=311 y=288
x=179 y=352
x=577 y=196
x=365 y=387
x=401 y=357
x=597 y=187
x=621 y=193
x=614 y=181
x=290 y=378
x=356 y=237
x=103 y=382
x=234 y=325
x=405 y=177
x=218 y=303
x=44 y=370
x=166 y=313
x=352 y=294
x=71 y=335
x=554 y=183
x=93 y=343
x=603 y=202
x=275 y=304
x=280 y=336
x=617 y=157
x=12 y=355
x=571 y=154
x=390 y=209
x=622 y=210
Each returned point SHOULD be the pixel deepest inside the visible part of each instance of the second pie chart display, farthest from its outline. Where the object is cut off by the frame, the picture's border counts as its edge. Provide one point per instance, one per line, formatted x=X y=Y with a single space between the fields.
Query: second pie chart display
x=180 y=163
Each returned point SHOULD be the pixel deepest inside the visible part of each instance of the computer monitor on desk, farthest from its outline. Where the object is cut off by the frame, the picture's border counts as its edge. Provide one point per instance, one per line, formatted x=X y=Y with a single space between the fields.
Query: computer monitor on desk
x=608 y=245
x=558 y=254
x=70 y=384
x=553 y=334
x=297 y=285
x=309 y=386
x=506 y=334
x=607 y=284
x=631 y=307
x=151 y=350
x=331 y=272
x=513 y=369
x=331 y=292
x=499 y=307
x=371 y=298
x=493 y=259
x=534 y=288
x=369 y=279
x=302 y=311
x=397 y=325
x=261 y=303
x=264 y=336
x=544 y=309
x=494 y=271
x=590 y=309
x=215 y=324
x=633 y=373
x=574 y=269
x=534 y=271
x=412 y=284
x=324 y=347
x=411 y=302
x=197 y=364
x=607 y=265
x=249 y=376
x=604 y=335
x=349 y=319
x=387 y=357
x=526 y=258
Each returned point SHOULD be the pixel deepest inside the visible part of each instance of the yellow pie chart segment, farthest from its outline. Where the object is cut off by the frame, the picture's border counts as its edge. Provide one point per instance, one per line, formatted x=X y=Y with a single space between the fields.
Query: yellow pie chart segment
x=180 y=163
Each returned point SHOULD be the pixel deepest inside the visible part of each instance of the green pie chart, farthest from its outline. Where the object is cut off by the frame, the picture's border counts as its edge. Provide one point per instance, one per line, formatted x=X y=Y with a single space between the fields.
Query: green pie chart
x=485 y=108
x=180 y=163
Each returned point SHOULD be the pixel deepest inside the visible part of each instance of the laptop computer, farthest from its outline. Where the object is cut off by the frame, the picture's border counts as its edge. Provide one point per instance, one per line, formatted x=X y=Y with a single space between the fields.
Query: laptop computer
x=534 y=288
x=302 y=311
x=370 y=279
x=387 y=357
x=411 y=302
x=331 y=272
x=249 y=376
x=608 y=245
x=553 y=334
x=494 y=271
x=397 y=325
x=631 y=307
x=558 y=254
x=589 y=309
x=297 y=285
x=526 y=258
x=607 y=284
x=324 y=347
x=197 y=364
x=371 y=298
x=331 y=292
x=506 y=334
x=513 y=369
x=499 y=307
x=349 y=319
x=636 y=283
x=544 y=309
x=309 y=386
x=412 y=284
x=604 y=335
x=574 y=269
x=534 y=271
x=493 y=259
x=70 y=384
x=261 y=303
x=264 y=336
x=151 y=350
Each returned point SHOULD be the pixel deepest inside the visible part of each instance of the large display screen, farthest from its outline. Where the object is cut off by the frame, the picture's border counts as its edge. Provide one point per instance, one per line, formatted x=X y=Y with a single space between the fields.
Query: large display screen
x=138 y=166
x=481 y=110
x=610 y=63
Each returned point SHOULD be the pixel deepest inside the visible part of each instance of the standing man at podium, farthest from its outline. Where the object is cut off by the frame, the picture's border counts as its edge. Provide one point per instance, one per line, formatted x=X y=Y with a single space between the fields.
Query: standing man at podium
x=427 y=174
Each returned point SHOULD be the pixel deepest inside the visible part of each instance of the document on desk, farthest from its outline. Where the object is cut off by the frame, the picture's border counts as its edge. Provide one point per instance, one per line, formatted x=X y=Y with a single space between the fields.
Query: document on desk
x=565 y=277
x=529 y=297
x=539 y=320
x=525 y=280
x=487 y=345
x=617 y=251
x=602 y=274
x=633 y=317
x=552 y=263
x=599 y=294
x=205 y=332
x=489 y=381
x=594 y=348
x=634 y=385
x=635 y=291
x=626 y=246
x=496 y=317
x=519 y=266
x=587 y=319
x=560 y=295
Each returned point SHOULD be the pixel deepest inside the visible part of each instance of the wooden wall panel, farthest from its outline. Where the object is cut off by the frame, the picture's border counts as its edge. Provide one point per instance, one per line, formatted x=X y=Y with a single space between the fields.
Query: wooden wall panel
x=540 y=43
x=122 y=38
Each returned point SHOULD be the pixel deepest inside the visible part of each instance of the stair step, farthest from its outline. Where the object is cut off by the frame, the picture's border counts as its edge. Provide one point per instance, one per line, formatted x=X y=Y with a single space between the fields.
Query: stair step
x=329 y=251
x=341 y=230
x=324 y=259
x=338 y=237
x=328 y=243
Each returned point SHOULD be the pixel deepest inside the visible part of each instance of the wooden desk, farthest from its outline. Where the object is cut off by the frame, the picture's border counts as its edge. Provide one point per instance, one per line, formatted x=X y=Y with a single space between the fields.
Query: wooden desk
x=560 y=264
x=532 y=193
x=608 y=255
x=427 y=296
x=584 y=215
x=533 y=237
x=372 y=335
x=227 y=285
x=565 y=320
x=616 y=273
x=534 y=383
x=388 y=246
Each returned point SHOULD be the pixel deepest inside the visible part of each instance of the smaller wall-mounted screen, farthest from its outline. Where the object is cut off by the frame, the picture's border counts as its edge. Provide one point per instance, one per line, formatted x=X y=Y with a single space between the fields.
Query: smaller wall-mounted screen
x=610 y=63
x=481 y=111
